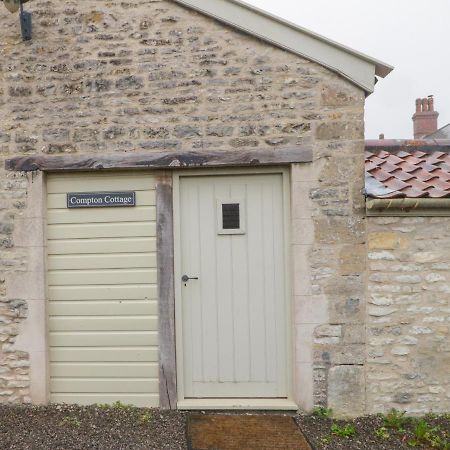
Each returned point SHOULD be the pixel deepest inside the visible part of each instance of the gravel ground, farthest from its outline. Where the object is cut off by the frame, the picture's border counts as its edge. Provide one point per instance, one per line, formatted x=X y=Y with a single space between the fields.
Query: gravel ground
x=118 y=427
x=318 y=432
x=64 y=427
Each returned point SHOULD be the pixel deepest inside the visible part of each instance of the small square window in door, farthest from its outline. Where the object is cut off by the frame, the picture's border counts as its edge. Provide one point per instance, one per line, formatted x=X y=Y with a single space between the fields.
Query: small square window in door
x=231 y=216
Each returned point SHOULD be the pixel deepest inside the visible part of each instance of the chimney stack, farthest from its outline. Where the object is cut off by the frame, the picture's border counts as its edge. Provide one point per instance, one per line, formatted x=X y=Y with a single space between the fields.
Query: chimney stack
x=426 y=118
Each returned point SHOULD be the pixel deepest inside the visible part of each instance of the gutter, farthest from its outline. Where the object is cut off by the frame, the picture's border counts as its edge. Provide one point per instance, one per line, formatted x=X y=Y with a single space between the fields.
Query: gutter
x=416 y=207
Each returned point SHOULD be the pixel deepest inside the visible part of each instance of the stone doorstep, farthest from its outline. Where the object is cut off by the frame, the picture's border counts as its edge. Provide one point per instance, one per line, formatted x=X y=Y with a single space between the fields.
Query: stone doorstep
x=245 y=432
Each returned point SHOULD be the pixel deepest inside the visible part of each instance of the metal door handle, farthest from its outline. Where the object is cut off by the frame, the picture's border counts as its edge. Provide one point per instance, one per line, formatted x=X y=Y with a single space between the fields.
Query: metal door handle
x=185 y=278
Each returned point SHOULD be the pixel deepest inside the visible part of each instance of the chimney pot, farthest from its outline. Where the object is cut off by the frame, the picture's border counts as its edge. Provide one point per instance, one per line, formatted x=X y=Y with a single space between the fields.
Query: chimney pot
x=381 y=137
x=418 y=105
x=425 y=118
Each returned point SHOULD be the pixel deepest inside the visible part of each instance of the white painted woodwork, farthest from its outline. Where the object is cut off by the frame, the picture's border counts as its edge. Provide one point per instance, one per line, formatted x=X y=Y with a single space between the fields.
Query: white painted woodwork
x=102 y=293
x=139 y=399
x=110 y=292
x=234 y=317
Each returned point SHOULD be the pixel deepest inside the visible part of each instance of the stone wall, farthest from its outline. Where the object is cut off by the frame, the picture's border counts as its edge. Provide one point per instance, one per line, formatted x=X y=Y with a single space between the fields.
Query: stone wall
x=114 y=76
x=408 y=314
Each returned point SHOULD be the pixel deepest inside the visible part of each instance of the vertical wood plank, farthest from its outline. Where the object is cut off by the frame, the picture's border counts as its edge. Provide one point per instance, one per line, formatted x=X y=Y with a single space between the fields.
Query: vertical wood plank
x=208 y=284
x=166 y=293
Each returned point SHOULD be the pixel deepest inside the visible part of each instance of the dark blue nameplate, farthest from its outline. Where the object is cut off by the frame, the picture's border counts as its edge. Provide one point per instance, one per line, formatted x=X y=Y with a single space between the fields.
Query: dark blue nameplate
x=100 y=199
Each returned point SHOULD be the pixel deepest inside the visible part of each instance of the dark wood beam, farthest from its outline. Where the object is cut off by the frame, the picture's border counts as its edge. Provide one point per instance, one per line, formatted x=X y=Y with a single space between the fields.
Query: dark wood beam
x=160 y=160
x=166 y=294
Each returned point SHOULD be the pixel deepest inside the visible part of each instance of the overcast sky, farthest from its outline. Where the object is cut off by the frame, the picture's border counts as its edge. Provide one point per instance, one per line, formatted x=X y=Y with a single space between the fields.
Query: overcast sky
x=412 y=35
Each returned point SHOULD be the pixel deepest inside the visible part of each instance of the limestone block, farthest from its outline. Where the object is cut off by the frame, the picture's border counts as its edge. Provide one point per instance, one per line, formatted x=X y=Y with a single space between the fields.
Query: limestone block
x=340 y=230
x=346 y=309
x=332 y=95
x=346 y=391
x=354 y=334
x=383 y=256
x=381 y=311
x=331 y=130
x=387 y=241
x=328 y=331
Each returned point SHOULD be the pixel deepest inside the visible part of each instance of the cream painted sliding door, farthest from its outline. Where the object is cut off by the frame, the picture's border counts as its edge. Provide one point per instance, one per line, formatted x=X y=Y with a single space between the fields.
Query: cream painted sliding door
x=102 y=293
x=234 y=324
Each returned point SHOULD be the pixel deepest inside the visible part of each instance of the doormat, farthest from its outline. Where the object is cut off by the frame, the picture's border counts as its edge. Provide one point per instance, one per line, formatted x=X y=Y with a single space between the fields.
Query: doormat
x=239 y=432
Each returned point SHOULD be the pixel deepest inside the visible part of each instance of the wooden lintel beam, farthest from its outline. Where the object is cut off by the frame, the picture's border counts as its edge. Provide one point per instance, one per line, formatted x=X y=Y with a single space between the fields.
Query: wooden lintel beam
x=160 y=160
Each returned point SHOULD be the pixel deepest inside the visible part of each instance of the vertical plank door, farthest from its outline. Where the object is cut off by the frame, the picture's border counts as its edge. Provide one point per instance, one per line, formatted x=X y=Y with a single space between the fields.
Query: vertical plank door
x=234 y=316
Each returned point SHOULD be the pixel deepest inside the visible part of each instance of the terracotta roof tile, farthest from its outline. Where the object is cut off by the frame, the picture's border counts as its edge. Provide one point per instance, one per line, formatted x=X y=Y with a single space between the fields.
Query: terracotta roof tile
x=419 y=185
x=394 y=159
x=401 y=175
x=380 y=174
x=414 y=174
x=427 y=166
x=440 y=184
x=442 y=174
x=411 y=192
x=437 y=193
x=422 y=175
x=396 y=184
x=412 y=160
x=388 y=167
x=407 y=167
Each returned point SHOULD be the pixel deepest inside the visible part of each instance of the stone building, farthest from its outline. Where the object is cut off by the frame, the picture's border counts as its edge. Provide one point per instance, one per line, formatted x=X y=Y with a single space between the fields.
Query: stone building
x=183 y=221
x=408 y=294
x=408 y=311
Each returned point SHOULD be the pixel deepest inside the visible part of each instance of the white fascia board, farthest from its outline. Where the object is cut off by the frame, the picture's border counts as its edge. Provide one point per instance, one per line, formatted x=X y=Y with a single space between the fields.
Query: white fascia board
x=360 y=69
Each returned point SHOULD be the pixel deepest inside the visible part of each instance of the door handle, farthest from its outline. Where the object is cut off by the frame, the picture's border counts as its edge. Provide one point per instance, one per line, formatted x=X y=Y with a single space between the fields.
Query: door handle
x=185 y=278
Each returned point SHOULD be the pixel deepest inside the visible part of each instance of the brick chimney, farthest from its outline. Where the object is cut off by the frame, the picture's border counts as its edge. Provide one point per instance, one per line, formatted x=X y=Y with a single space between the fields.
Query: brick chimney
x=426 y=118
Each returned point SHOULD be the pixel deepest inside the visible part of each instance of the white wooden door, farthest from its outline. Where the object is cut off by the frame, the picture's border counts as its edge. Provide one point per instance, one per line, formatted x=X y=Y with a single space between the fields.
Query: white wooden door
x=234 y=318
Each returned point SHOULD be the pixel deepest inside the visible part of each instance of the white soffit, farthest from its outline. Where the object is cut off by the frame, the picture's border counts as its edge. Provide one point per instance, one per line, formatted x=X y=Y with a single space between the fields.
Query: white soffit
x=357 y=67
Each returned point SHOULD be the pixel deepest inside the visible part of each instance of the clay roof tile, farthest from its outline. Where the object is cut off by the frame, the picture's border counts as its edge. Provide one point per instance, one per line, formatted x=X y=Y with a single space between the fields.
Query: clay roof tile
x=413 y=174
x=438 y=193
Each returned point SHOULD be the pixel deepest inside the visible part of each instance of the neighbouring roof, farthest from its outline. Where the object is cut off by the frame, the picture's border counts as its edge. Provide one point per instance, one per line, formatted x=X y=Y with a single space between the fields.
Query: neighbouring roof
x=357 y=67
x=442 y=133
x=407 y=169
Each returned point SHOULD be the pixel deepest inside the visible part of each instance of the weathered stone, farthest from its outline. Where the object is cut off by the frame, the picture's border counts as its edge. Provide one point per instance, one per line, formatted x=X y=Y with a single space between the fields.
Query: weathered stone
x=346 y=391
x=354 y=334
x=387 y=241
x=131 y=82
x=336 y=96
x=408 y=298
x=328 y=331
x=434 y=277
x=220 y=131
x=339 y=130
x=403 y=398
x=381 y=311
x=165 y=78
x=187 y=131
x=400 y=351
x=20 y=91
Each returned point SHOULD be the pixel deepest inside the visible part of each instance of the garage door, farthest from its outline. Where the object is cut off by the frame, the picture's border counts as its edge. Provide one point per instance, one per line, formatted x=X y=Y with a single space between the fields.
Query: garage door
x=102 y=292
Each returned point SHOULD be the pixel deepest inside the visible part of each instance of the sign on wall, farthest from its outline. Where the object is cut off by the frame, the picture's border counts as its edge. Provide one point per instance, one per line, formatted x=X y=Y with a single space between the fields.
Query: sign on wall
x=100 y=199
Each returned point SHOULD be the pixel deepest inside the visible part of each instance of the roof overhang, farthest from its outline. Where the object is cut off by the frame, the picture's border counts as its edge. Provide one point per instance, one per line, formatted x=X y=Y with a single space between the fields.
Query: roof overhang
x=357 y=67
